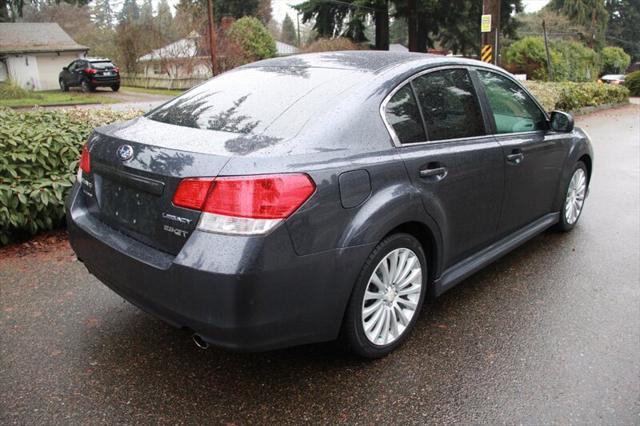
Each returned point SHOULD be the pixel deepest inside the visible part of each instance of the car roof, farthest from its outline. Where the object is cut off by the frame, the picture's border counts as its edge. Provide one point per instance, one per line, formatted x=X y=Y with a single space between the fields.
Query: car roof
x=359 y=60
x=97 y=59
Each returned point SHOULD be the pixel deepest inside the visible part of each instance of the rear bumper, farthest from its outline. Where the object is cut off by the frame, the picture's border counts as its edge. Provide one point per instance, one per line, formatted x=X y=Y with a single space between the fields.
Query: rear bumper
x=105 y=81
x=239 y=293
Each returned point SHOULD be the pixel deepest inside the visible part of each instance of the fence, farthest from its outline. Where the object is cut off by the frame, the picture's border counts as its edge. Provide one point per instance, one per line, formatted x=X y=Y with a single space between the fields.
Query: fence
x=160 y=82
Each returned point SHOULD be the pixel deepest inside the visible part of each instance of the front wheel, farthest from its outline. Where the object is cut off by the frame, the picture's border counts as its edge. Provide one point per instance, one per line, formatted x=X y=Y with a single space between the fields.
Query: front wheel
x=63 y=86
x=387 y=297
x=575 y=195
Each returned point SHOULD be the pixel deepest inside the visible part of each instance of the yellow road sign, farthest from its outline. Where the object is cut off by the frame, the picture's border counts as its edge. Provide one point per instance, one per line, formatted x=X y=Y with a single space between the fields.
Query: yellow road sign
x=486 y=53
x=485 y=24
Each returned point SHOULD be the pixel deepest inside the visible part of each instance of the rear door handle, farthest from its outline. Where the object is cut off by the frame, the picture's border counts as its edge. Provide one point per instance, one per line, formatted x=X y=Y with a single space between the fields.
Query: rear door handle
x=516 y=157
x=435 y=172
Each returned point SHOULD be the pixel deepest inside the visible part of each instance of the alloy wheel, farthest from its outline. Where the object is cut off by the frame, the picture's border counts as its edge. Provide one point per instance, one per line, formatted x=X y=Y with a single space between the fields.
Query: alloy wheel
x=575 y=196
x=392 y=296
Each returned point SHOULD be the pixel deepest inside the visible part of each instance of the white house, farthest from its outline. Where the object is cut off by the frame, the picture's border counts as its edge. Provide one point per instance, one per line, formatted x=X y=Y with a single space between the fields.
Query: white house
x=179 y=59
x=33 y=54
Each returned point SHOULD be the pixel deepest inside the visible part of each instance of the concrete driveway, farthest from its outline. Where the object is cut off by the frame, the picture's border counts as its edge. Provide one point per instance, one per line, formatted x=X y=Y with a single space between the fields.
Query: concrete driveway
x=549 y=334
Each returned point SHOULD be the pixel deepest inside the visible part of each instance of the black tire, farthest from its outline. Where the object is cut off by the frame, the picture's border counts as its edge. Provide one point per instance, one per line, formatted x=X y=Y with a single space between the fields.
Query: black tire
x=563 y=224
x=352 y=334
x=63 y=86
x=87 y=87
x=115 y=87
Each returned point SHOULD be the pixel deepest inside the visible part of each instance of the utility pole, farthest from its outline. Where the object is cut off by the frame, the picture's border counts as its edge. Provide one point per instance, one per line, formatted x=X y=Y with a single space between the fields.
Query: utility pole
x=491 y=32
x=212 y=37
x=546 y=48
x=298 y=20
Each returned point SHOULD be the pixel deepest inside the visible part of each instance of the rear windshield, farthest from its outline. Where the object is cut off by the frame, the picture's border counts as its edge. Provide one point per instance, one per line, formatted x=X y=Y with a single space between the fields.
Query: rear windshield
x=102 y=65
x=252 y=100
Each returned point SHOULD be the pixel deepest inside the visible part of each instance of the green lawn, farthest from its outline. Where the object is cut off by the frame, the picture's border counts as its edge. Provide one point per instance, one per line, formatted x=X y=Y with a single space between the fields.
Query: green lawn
x=166 y=92
x=55 y=97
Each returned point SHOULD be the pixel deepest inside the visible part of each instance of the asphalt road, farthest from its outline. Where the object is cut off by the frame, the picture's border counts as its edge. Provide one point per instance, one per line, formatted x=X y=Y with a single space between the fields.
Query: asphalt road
x=549 y=334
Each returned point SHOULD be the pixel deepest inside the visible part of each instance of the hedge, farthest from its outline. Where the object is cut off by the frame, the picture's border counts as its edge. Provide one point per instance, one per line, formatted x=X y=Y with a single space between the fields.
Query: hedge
x=40 y=153
x=568 y=96
x=632 y=82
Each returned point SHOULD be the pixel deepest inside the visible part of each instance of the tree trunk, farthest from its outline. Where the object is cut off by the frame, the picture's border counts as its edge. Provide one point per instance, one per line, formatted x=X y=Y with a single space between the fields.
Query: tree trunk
x=4 y=13
x=412 y=25
x=422 y=33
x=382 y=26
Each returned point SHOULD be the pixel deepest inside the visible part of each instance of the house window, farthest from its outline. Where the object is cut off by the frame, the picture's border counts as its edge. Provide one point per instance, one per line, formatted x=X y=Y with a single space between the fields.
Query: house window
x=157 y=69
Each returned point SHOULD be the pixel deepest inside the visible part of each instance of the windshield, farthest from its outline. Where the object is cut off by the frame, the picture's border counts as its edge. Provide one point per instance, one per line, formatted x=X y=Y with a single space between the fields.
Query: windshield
x=252 y=100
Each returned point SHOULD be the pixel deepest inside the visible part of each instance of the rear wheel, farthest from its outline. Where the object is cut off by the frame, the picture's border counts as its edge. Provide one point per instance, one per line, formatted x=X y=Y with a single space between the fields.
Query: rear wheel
x=87 y=87
x=63 y=85
x=387 y=298
x=575 y=195
x=115 y=87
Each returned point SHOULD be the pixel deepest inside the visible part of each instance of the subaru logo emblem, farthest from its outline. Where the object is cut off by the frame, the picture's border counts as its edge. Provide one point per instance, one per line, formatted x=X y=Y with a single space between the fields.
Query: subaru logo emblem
x=124 y=152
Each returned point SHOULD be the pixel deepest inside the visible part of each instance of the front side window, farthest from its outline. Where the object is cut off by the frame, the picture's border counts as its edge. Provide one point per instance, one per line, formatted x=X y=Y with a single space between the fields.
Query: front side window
x=403 y=115
x=449 y=104
x=513 y=110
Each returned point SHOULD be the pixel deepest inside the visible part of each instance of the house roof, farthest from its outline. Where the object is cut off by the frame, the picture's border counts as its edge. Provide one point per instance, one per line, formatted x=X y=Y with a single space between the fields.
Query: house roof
x=36 y=37
x=183 y=48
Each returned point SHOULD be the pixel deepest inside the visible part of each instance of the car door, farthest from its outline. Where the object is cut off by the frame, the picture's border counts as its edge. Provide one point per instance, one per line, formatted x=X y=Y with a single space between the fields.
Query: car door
x=454 y=164
x=533 y=156
x=77 y=74
x=67 y=73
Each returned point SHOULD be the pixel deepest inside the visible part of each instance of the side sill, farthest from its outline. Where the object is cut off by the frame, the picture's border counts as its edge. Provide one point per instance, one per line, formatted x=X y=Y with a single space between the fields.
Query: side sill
x=466 y=267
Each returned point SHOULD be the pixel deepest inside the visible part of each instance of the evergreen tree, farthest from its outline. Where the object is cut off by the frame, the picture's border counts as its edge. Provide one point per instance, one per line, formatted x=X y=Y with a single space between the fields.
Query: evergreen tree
x=590 y=13
x=288 y=33
x=102 y=14
x=624 y=26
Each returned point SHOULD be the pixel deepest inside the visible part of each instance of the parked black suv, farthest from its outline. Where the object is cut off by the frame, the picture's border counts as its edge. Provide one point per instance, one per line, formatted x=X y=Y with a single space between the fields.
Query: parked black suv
x=89 y=73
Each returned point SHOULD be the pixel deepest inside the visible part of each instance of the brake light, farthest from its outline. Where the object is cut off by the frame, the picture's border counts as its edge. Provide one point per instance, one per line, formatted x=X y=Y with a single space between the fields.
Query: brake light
x=116 y=69
x=90 y=70
x=85 y=160
x=191 y=193
x=245 y=205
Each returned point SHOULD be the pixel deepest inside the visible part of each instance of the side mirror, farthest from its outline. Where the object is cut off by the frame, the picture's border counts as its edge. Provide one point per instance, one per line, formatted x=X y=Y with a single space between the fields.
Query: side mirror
x=65 y=68
x=561 y=122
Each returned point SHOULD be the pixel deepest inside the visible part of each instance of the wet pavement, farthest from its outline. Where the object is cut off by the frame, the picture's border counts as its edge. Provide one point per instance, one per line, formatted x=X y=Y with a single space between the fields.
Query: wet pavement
x=548 y=334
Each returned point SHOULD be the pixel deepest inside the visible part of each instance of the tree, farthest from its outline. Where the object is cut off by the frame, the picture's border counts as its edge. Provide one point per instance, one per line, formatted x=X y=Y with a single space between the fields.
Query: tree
x=164 y=21
x=264 y=11
x=253 y=38
x=590 y=13
x=614 y=60
x=102 y=14
x=398 y=31
x=623 y=27
x=288 y=33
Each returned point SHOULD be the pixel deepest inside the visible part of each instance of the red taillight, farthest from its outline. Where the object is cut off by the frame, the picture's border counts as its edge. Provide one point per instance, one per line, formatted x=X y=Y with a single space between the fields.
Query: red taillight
x=85 y=160
x=191 y=193
x=90 y=70
x=117 y=69
x=256 y=197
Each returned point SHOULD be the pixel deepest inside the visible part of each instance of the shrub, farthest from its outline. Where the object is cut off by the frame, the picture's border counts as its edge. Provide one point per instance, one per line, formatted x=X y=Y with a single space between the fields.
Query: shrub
x=632 y=82
x=253 y=38
x=40 y=152
x=11 y=90
x=578 y=62
x=614 y=60
x=570 y=96
x=331 y=45
x=528 y=56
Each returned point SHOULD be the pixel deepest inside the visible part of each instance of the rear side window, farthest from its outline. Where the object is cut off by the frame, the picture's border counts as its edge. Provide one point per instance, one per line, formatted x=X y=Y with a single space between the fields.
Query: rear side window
x=449 y=104
x=513 y=110
x=403 y=115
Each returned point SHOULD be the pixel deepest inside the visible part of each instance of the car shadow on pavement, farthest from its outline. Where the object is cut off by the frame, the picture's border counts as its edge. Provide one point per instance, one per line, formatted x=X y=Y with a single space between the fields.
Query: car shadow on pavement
x=460 y=335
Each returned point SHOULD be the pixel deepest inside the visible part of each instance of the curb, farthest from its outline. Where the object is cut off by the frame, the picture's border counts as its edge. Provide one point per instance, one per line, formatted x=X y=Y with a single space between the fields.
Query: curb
x=597 y=108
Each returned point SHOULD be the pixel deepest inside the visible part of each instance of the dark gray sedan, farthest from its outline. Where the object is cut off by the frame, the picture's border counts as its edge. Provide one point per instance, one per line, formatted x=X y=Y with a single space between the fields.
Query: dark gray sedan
x=322 y=196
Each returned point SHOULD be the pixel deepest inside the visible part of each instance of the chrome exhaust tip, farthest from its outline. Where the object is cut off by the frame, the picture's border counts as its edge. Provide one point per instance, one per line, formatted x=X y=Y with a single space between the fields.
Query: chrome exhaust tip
x=199 y=341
